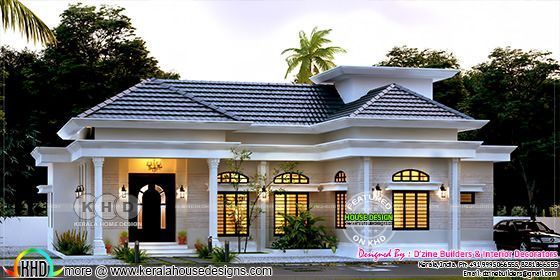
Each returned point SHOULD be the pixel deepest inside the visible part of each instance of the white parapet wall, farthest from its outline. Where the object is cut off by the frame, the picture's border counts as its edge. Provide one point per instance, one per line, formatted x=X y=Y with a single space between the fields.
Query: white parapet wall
x=551 y=222
x=24 y=232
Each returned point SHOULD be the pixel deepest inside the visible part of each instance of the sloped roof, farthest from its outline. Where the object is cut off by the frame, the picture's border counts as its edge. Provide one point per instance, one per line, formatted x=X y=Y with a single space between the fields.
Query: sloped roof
x=397 y=102
x=267 y=103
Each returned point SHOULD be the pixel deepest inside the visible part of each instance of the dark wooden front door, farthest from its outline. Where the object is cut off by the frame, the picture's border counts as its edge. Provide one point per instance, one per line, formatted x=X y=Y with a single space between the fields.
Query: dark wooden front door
x=155 y=221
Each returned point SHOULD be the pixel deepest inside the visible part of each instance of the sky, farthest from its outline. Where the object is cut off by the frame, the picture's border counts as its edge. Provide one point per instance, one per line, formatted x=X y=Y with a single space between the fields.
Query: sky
x=242 y=40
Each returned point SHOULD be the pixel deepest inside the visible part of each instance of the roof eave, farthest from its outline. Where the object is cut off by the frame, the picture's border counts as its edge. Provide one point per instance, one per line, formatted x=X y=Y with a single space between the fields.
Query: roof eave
x=345 y=122
x=71 y=129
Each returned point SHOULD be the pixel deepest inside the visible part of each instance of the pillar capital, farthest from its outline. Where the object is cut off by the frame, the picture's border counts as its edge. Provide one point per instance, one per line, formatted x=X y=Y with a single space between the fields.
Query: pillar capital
x=98 y=161
x=213 y=163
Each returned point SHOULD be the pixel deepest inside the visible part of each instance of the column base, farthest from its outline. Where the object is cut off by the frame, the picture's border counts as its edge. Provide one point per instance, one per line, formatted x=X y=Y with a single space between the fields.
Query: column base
x=99 y=248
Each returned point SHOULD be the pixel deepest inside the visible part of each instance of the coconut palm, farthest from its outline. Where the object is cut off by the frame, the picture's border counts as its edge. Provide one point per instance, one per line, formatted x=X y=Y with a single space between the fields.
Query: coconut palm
x=15 y=15
x=312 y=56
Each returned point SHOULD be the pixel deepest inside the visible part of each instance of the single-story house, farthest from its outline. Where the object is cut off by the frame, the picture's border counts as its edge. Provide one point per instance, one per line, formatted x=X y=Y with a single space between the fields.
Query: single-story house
x=356 y=130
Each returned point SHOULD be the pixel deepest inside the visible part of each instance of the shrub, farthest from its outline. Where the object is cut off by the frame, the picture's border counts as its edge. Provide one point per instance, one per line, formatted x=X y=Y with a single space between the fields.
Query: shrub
x=301 y=232
x=502 y=211
x=554 y=210
x=126 y=254
x=518 y=211
x=201 y=250
x=182 y=233
x=219 y=255
x=72 y=242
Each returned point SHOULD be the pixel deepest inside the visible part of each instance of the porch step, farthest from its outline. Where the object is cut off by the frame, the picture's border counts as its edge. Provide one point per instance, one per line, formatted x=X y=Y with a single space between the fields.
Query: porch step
x=165 y=249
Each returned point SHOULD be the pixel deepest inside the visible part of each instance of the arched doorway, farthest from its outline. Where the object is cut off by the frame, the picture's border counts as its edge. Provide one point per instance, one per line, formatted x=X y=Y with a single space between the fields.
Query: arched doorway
x=155 y=220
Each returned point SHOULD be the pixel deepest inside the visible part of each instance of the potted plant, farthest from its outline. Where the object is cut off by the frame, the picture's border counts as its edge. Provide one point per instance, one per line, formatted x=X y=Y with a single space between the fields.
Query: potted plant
x=123 y=238
x=182 y=236
x=108 y=246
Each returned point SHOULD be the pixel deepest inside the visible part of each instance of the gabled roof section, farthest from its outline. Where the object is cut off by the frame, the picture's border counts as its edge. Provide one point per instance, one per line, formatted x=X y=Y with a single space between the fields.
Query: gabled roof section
x=397 y=102
x=150 y=100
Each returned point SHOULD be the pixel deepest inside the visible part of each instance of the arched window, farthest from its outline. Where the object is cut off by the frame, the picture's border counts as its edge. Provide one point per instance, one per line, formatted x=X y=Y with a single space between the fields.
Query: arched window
x=162 y=205
x=411 y=175
x=230 y=177
x=291 y=178
x=340 y=177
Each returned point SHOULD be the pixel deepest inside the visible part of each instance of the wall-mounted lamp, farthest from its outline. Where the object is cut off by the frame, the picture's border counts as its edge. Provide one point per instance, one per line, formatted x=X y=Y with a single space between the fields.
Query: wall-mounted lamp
x=182 y=192
x=377 y=190
x=154 y=165
x=442 y=191
x=79 y=191
x=123 y=192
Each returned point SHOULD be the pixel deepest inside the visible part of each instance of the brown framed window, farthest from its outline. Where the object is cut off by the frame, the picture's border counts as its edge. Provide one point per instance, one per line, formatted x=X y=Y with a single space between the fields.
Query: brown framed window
x=230 y=177
x=411 y=175
x=340 y=209
x=410 y=210
x=340 y=177
x=467 y=197
x=291 y=178
x=286 y=203
x=233 y=209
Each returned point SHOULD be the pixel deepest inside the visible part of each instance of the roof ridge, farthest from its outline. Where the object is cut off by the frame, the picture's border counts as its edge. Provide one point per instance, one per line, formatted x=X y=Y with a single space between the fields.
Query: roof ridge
x=378 y=95
x=112 y=99
x=199 y=100
x=244 y=83
x=429 y=100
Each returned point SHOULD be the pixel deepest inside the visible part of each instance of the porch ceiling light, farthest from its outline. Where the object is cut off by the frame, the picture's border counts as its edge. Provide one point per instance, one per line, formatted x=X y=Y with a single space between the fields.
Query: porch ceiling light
x=123 y=192
x=377 y=190
x=79 y=191
x=154 y=165
x=442 y=192
x=182 y=192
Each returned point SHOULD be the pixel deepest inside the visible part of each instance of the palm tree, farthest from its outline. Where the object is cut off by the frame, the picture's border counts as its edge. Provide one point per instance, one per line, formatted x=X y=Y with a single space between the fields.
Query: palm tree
x=312 y=56
x=15 y=15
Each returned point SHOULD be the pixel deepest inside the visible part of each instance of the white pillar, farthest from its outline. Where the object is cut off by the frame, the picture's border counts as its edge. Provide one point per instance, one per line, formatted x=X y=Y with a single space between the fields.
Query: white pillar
x=213 y=199
x=366 y=189
x=98 y=245
x=455 y=204
x=263 y=204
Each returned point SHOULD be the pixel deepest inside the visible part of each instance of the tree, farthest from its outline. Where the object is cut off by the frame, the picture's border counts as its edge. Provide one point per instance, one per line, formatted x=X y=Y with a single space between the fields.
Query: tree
x=259 y=186
x=312 y=56
x=515 y=90
x=97 y=55
x=16 y=16
x=449 y=92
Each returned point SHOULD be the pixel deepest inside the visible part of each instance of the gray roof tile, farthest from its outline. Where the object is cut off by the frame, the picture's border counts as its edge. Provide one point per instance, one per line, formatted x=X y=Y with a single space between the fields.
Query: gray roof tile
x=263 y=103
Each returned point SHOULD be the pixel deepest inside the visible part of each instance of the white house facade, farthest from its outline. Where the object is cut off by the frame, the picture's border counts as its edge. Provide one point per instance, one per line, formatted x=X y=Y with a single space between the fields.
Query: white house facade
x=355 y=130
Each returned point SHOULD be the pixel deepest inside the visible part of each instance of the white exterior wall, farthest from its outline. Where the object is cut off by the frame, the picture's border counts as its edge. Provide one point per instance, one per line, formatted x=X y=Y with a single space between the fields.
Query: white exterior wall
x=353 y=88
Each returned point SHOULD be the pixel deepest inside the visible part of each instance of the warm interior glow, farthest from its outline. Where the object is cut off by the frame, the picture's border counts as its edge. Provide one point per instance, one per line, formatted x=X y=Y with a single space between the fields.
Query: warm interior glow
x=232 y=207
x=288 y=204
x=410 y=210
x=411 y=175
x=340 y=209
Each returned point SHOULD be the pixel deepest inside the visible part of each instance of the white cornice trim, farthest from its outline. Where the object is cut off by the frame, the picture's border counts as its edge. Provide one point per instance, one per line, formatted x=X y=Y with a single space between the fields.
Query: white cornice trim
x=343 y=72
x=492 y=153
x=72 y=128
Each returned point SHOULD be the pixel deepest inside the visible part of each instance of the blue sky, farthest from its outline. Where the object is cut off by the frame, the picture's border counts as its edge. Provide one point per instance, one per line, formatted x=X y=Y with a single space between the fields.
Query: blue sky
x=242 y=40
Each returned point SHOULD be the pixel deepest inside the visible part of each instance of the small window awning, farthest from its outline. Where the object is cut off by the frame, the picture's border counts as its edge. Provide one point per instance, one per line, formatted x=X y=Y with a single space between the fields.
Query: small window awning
x=413 y=186
x=472 y=187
